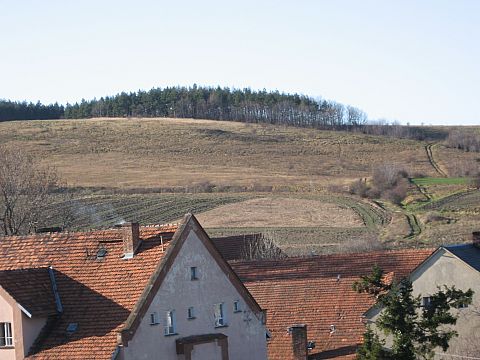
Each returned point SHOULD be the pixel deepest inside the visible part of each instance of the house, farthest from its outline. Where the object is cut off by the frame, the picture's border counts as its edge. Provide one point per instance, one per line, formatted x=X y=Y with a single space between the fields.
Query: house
x=125 y=293
x=451 y=265
x=312 y=310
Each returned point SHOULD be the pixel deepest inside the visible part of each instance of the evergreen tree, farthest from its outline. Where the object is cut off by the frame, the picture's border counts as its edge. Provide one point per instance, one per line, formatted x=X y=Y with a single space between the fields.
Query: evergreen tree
x=416 y=329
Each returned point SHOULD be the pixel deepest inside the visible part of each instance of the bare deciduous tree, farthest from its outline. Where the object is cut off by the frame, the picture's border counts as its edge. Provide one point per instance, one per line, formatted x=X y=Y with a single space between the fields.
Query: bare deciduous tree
x=264 y=247
x=25 y=188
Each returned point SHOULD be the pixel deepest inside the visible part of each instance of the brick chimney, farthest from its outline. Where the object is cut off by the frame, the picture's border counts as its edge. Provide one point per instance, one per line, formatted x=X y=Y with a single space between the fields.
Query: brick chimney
x=476 y=238
x=131 y=238
x=299 y=341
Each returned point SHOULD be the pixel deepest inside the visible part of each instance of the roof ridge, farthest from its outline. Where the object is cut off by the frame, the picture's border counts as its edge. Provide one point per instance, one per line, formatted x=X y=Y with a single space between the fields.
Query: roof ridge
x=85 y=232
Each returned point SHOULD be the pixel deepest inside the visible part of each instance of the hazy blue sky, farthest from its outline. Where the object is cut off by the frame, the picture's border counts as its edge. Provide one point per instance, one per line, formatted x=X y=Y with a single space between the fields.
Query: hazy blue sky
x=413 y=61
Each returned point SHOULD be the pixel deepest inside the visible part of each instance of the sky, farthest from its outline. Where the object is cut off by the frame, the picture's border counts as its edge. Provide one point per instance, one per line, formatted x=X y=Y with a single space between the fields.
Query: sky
x=412 y=61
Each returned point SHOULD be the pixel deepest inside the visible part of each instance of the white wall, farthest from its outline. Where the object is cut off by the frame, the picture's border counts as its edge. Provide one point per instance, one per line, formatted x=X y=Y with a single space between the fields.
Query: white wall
x=246 y=334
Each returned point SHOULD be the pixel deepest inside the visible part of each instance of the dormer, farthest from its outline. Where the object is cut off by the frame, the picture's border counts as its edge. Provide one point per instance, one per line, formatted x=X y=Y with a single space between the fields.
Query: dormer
x=28 y=300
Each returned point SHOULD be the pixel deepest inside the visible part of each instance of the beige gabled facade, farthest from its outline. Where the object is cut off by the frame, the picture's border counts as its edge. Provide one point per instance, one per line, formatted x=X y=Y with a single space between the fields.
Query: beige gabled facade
x=196 y=308
x=457 y=266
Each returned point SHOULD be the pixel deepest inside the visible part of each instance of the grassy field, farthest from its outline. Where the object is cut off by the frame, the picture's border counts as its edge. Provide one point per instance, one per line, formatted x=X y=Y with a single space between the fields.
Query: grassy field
x=429 y=181
x=248 y=178
x=159 y=153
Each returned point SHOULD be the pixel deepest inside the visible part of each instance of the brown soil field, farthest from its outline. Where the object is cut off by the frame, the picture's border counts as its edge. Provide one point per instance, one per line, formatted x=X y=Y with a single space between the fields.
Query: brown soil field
x=149 y=153
x=280 y=212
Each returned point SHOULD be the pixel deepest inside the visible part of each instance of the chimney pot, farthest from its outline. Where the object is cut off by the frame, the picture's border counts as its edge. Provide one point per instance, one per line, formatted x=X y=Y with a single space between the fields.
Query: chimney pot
x=476 y=238
x=131 y=238
x=299 y=341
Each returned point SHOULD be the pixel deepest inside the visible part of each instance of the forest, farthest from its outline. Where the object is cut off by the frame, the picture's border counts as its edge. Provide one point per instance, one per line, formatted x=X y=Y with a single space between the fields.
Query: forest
x=12 y=110
x=198 y=102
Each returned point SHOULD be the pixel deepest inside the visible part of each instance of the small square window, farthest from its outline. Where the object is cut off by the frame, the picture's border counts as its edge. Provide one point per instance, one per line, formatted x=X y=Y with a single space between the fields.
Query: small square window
x=6 y=337
x=170 y=323
x=154 y=319
x=426 y=301
x=191 y=313
x=193 y=273
x=236 y=306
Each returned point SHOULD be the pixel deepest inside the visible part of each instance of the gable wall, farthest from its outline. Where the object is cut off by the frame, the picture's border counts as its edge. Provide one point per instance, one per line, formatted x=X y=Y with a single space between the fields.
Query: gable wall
x=440 y=269
x=246 y=333
x=445 y=269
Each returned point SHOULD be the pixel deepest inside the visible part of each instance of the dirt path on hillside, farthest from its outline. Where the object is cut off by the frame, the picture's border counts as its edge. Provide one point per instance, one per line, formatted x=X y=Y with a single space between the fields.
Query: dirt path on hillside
x=433 y=162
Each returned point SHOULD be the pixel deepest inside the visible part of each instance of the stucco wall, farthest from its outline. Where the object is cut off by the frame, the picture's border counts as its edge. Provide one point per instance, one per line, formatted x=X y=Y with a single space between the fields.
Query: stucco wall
x=6 y=315
x=207 y=351
x=31 y=329
x=445 y=269
x=246 y=334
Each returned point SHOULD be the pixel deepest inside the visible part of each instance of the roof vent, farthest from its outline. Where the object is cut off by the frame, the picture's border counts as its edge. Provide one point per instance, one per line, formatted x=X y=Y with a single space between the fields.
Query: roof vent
x=71 y=328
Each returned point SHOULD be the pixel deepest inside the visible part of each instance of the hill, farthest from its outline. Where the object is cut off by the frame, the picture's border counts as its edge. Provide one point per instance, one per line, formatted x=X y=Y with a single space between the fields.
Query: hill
x=153 y=170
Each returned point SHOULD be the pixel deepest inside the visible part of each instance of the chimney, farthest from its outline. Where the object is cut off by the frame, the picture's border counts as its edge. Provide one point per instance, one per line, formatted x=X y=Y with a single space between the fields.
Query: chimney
x=476 y=239
x=131 y=238
x=299 y=341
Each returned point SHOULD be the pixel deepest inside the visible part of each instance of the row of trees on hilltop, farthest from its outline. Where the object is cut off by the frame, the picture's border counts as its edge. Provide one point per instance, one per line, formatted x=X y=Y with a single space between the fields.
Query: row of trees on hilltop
x=12 y=110
x=218 y=103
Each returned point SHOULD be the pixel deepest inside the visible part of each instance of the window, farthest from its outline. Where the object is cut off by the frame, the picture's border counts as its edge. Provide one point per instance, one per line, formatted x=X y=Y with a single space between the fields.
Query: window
x=219 y=313
x=191 y=313
x=236 y=306
x=426 y=301
x=193 y=273
x=6 y=338
x=154 y=318
x=170 y=323
x=462 y=306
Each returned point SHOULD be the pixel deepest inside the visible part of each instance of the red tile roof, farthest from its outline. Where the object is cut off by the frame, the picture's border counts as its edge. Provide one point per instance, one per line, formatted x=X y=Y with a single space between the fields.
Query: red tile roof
x=98 y=295
x=317 y=291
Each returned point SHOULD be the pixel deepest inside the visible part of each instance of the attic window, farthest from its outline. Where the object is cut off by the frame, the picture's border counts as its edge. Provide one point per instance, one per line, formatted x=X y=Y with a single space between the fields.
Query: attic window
x=191 y=313
x=193 y=273
x=236 y=306
x=6 y=337
x=170 y=323
x=154 y=319
x=219 y=313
